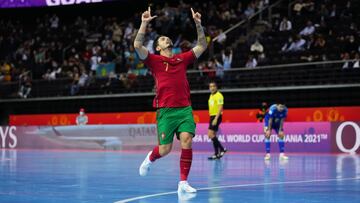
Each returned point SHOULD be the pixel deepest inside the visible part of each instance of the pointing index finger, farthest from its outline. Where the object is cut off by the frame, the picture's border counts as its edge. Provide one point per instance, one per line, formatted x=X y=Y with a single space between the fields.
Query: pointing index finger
x=149 y=9
x=192 y=11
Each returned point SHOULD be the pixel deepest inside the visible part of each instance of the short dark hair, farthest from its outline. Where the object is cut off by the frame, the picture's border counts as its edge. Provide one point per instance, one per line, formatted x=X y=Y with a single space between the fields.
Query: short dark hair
x=213 y=82
x=156 y=43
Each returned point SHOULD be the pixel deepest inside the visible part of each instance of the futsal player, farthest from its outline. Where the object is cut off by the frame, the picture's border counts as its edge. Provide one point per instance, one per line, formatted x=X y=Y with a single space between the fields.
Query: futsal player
x=216 y=103
x=172 y=100
x=274 y=120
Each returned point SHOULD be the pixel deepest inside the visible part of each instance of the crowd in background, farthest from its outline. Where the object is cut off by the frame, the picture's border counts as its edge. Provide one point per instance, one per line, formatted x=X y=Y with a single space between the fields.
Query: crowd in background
x=51 y=49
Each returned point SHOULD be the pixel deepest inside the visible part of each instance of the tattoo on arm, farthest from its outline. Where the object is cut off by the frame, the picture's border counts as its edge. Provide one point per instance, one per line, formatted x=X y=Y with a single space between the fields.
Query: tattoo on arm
x=201 y=41
x=140 y=38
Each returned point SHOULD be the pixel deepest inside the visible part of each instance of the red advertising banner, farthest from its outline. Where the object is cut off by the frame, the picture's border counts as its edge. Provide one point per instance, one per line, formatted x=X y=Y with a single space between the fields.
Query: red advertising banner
x=303 y=137
x=320 y=114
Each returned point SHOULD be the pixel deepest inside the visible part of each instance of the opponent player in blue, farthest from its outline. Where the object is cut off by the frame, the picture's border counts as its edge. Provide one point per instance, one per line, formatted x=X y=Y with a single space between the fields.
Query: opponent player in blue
x=274 y=120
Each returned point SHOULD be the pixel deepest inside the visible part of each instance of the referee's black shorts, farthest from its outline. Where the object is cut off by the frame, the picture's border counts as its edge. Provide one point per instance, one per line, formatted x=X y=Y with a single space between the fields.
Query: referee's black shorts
x=215 y=127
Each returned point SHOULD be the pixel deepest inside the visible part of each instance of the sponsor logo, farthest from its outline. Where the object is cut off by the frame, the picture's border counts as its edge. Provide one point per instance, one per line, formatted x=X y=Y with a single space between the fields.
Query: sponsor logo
x=339 y=134
x=8 y=137
x=69 y=2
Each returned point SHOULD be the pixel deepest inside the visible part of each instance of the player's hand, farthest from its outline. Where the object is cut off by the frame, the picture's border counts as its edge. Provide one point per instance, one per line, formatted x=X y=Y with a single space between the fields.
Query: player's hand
x=196 y=16
x=146 y=16
x=214 y=122
x=268 y=133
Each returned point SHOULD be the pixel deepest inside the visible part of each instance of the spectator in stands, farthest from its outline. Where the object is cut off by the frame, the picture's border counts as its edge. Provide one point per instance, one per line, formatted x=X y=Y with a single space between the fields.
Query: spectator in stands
x=227 y=57
x=54 y=22
x=250 y=10
x=323 y=12
x=297 y=45
x=131 y=59
x=219 y=68
x=74 y=89
x=308 y=30
x=210 y=68
x=287 y=44
x=356 y=62
x=25 y=84
x=251 y=62
x=95 y=60
x=300 y=6
x=319 y=43
x=83 y=79
x=346 y=13
x=8 y=71
x=351 y=45
x=285 y=25
x=126 y=82
x=346 y=57
x=117 y=34
x=109 y=85
x=310 y=43
x=334 y=12
x=257 y=49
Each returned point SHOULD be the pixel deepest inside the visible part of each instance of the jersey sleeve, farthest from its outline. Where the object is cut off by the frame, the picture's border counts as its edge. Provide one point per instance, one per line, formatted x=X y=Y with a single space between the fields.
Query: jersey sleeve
x=188 y=57
x=150 y=61
x=220 y=99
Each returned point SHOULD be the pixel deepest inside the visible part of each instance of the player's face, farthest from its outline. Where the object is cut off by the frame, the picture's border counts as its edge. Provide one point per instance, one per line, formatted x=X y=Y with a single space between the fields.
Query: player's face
x=281 y=107
x=212 y=88
x=164 y=43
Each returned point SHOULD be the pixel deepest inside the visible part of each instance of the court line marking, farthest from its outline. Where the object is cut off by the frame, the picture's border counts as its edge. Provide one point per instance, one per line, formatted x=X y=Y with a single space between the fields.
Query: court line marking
x=236 y=186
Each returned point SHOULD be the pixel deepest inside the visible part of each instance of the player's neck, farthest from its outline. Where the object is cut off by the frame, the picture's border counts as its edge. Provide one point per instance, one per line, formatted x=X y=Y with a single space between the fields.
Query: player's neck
x=167 y=53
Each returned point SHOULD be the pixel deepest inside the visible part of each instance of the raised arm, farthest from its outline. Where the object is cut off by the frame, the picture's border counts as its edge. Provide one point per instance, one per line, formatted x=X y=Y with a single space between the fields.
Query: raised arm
x=201 y=44
x=140 y=37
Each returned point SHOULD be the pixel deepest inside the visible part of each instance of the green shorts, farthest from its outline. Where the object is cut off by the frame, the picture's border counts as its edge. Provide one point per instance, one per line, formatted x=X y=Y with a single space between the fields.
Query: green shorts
x=172 y=121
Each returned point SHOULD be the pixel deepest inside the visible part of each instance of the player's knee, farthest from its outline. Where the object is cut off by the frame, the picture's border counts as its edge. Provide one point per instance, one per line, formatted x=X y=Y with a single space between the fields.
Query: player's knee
x=186 y=141
x=211 y=134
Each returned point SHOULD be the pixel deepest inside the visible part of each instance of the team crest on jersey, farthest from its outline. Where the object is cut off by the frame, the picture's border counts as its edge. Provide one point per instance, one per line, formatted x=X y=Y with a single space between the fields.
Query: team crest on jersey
x=162 y=135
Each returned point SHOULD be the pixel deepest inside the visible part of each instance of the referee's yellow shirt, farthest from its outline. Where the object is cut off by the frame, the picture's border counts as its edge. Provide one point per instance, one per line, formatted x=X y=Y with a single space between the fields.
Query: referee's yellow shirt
x=214 y=101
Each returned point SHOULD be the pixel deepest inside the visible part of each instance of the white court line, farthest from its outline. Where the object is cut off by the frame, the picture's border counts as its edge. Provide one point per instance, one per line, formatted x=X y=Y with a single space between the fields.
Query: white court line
x=236 y=186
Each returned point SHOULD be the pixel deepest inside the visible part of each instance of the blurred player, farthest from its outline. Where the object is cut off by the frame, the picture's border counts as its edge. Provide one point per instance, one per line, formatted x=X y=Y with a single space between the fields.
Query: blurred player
x=274 y=120
x=81 y=119
x=172 y=100
x=216 y=103
x=262 y=111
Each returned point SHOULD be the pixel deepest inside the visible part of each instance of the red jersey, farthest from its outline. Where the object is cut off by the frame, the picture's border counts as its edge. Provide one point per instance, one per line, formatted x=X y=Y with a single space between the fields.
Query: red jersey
x=172 y=86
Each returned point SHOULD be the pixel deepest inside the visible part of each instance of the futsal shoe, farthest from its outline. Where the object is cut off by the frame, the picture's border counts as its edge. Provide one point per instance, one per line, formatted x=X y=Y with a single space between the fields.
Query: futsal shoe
x=214 y=157
x=283 y=157
x=222 y=153
x=184 y=186
x=145 y=166
x=185 y=197
x=267 y=157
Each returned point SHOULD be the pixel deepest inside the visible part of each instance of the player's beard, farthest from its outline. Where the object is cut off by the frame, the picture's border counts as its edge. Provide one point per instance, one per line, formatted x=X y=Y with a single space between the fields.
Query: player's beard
x=170 y=46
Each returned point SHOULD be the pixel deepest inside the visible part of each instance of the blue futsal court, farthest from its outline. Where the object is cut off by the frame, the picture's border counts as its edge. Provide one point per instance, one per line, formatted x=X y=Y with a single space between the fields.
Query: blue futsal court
x=97 y=176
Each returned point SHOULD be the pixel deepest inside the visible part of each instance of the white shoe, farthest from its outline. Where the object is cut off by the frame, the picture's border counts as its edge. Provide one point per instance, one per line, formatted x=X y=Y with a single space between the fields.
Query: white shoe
x=145 y=166
x=185 y=197
x=283 y=157
x=184 y=186
x=267 y=157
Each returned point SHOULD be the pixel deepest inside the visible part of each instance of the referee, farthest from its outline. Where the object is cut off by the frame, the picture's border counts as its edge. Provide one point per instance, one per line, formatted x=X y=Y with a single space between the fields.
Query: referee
x=216 y=102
